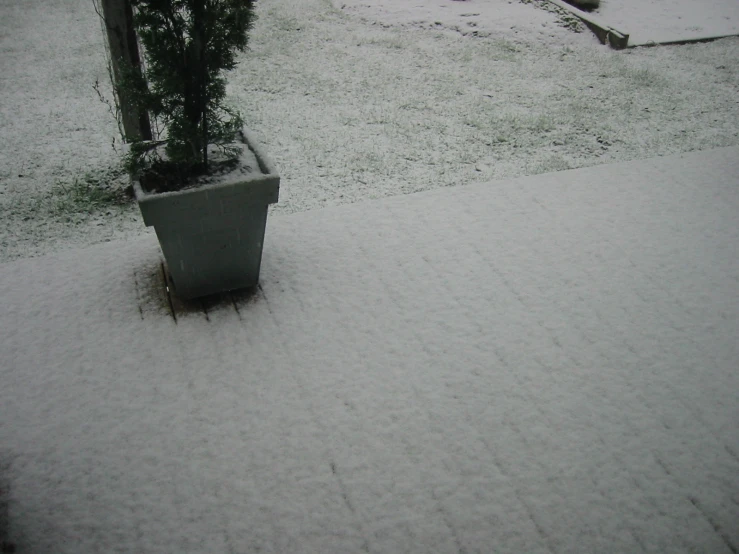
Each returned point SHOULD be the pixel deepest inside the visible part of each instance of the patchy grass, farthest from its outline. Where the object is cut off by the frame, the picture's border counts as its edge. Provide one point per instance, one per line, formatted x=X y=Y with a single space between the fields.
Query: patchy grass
x=94 y=207
x=90 y=194
x=641 y=74
x=94 y=194
x=549 y=164
x=352 y=109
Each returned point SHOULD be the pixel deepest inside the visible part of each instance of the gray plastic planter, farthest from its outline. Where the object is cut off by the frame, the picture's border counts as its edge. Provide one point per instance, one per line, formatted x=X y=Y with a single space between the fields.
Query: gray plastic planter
x=212 y=235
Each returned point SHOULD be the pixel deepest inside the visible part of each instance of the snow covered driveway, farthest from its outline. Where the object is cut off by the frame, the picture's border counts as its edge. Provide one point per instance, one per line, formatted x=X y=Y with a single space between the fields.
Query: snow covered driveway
x=547 y=364
x=500 y=19
x=646 y=21
x=662 y=21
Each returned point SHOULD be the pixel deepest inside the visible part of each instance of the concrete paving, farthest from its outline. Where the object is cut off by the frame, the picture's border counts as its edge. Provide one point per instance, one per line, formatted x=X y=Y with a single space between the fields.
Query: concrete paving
x=546 y=364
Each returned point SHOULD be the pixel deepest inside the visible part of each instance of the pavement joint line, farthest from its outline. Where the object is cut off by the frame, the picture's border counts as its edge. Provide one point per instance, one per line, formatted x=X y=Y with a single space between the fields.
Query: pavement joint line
x=168 y=292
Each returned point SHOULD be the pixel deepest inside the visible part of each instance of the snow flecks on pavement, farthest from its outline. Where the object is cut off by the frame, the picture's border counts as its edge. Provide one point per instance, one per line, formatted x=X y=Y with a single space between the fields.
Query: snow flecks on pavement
x=546 y=364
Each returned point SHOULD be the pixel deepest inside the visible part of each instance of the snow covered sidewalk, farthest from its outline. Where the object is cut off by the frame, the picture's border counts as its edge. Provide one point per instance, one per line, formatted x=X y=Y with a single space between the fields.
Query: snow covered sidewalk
x=547 y=364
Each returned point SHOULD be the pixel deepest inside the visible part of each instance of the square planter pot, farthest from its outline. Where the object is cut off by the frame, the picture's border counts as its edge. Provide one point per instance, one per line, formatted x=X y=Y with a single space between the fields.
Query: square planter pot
x=211 y=235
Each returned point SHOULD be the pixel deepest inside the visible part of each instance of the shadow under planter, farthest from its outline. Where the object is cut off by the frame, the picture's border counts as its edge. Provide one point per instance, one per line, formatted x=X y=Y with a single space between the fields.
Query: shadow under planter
x=212 y=234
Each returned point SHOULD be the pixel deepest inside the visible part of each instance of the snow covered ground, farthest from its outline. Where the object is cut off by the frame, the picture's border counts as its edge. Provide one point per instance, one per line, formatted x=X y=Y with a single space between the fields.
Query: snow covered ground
x=542 y=365
x=545 y=364
x=358 y=100
x=656 y=21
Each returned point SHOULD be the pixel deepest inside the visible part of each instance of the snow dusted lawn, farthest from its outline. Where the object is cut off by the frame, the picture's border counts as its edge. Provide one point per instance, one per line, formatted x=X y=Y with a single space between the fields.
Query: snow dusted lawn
x=365 y=101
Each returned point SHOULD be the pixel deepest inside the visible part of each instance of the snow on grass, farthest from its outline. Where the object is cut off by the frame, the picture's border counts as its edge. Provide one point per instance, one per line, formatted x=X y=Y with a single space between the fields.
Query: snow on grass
x=364 y=101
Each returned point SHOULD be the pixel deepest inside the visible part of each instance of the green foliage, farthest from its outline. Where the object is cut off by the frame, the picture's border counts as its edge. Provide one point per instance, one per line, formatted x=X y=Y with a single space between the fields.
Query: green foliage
x=76 y=200
x=93 y=192
x=187 y=46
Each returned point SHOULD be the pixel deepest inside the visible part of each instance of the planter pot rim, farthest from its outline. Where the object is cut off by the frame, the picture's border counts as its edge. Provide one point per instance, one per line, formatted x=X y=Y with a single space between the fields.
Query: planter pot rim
x=268 y=171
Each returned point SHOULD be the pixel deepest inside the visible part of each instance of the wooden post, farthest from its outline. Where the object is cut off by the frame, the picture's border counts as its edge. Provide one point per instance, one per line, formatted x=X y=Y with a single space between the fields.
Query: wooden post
x=124 y=50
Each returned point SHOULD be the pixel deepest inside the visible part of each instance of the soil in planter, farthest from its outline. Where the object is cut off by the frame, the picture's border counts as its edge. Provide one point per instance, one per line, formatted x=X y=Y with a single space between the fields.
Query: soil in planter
x=165 y=176
x=587 y=5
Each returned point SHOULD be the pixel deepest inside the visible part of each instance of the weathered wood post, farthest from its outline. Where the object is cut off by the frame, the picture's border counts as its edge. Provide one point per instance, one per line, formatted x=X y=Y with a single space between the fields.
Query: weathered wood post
x=124 y=50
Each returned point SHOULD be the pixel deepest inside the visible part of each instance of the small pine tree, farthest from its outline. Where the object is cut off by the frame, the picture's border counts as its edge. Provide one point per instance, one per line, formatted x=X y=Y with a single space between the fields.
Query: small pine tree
x=187 y=46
